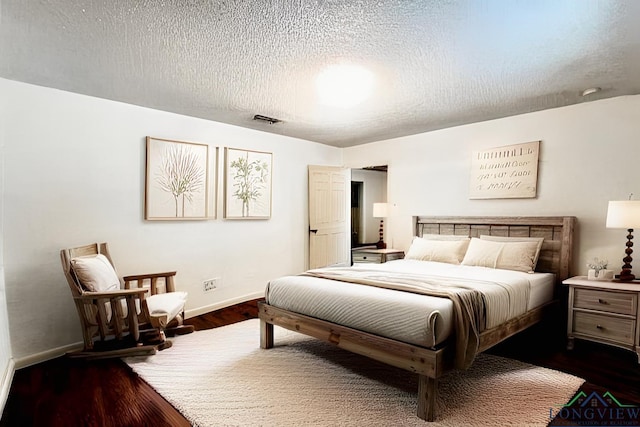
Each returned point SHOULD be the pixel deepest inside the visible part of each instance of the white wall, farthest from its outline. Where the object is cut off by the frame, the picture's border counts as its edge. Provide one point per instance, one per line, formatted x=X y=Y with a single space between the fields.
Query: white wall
x=74 y=174
x=6 y=361
x=374 y=189
x=588 y=156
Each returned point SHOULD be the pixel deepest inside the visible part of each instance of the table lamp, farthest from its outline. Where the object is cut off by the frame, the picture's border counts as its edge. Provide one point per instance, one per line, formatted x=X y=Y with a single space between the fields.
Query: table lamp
x=625 y=214
x=381 y=210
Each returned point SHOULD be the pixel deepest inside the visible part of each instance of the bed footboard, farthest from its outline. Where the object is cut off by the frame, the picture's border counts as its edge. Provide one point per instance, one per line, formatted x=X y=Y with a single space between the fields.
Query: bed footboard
x=429 y=364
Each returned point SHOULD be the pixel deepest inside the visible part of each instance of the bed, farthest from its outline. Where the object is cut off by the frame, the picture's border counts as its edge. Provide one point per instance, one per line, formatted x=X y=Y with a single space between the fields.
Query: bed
x=426 y=314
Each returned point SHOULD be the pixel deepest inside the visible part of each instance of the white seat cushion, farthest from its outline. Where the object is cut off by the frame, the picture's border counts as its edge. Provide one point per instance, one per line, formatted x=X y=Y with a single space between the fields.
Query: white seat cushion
x=170 y=303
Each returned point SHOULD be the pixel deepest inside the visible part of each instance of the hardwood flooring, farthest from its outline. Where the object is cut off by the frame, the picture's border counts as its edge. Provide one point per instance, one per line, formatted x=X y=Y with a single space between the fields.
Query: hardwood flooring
x=105 y=393
x=101 y=393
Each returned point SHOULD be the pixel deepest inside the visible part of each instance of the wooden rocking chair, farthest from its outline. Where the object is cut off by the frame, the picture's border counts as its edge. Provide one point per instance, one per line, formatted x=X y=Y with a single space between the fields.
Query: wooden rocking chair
x=121 y=322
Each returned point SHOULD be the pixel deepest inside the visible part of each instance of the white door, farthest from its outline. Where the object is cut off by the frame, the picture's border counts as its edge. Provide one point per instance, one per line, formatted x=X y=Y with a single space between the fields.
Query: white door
x=329 y=218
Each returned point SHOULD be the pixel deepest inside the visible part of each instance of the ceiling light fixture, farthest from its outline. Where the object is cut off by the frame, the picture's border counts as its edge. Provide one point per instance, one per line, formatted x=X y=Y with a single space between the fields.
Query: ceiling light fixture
x=590 y=90
x=269 y=120
x=344 y=85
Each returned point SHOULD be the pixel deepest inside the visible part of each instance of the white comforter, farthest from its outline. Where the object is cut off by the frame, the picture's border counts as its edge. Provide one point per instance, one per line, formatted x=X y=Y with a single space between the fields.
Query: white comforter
x=414 y=318
x=506 y=292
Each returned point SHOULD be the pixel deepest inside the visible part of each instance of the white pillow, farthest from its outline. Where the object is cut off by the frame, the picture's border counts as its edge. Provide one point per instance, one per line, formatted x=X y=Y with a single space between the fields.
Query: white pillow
x=538 y=240
x=517 y=256
x=95 y=273
x=448 y=251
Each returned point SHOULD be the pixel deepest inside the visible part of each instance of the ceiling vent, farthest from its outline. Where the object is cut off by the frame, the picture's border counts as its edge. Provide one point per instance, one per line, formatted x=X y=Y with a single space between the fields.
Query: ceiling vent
x=269 y=120
x=381 y=168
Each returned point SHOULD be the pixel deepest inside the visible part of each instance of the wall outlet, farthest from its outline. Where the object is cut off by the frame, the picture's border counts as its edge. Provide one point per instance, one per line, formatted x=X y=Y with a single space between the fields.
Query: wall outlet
x=211 y=284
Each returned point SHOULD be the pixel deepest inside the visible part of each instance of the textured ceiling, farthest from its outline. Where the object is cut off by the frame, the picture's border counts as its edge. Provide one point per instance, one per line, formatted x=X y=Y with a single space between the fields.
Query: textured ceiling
x=435 y=63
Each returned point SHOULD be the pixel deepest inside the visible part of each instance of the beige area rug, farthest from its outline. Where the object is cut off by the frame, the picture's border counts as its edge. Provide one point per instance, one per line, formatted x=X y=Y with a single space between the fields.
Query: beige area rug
x=221 y=377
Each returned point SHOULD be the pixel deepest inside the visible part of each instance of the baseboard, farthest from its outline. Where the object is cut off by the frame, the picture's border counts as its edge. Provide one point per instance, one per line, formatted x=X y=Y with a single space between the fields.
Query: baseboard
x=222 y=304
x=34 y=359
x=7 y=379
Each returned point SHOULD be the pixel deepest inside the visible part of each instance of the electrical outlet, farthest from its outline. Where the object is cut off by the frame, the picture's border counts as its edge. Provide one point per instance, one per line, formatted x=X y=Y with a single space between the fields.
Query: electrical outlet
x=210 y=285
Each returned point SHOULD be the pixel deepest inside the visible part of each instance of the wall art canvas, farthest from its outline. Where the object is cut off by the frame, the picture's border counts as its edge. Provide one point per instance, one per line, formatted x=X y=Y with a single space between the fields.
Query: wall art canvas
x=506 y=172
x=177 y=180
x=247 y=184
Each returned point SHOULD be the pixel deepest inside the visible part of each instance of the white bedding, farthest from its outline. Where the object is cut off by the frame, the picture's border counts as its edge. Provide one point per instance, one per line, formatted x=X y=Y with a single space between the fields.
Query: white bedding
x=417 y=319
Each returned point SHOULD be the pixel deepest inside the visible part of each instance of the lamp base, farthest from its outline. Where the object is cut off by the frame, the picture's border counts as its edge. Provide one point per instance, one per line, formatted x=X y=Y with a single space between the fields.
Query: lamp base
x=381 y=245
x=625 y=276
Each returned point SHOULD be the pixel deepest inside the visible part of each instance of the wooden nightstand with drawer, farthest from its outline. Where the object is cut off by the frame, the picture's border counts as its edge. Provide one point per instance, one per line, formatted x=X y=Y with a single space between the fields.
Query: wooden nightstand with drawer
x=605 y=312
x=376 y=256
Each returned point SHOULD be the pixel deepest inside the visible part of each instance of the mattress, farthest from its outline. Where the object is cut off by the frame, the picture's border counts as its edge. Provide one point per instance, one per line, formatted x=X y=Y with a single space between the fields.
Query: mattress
x=404 y=316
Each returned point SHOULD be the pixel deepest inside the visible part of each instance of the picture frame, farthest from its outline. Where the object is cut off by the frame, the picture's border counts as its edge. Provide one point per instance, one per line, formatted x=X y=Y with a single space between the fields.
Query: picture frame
x=247 y=184
x=507 y=172
x=176 y=180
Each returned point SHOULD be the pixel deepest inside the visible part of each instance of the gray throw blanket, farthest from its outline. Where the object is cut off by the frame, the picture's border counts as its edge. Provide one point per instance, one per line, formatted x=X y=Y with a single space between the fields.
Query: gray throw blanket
x=468 y=303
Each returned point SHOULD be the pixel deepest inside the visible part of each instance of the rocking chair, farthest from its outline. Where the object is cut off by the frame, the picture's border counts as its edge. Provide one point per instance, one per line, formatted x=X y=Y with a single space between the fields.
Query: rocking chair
x=121 y=322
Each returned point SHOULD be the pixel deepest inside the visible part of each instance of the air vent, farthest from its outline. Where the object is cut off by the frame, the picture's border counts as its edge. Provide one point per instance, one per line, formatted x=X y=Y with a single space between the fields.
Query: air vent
x=382 y=168
x=269 y=120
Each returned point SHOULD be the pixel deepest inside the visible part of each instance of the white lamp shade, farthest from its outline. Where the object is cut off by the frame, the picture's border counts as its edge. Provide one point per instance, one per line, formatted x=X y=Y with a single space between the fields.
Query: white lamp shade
x=624 y=214
x=380 y=210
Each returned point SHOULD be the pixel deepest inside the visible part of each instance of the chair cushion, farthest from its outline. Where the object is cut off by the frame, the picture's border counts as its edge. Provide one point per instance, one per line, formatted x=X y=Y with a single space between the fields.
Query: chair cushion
x=170 y=303
x=95 y=273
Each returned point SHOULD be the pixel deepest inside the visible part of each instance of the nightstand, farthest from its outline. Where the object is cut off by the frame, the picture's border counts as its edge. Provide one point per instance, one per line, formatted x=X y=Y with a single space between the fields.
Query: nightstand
x=375 y=256
x=604 y=311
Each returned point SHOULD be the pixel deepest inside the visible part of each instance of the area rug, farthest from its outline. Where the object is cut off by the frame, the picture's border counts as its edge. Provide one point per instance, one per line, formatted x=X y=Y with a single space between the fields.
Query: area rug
x=221 y=377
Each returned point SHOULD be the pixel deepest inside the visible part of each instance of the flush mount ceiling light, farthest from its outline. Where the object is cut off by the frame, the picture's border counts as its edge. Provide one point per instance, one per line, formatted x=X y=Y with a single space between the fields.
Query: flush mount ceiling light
x=344 y=85
x=590 y=90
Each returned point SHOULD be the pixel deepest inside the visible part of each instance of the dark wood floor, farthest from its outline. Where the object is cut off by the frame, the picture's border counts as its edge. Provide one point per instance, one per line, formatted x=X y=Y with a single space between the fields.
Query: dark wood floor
x=72 y=392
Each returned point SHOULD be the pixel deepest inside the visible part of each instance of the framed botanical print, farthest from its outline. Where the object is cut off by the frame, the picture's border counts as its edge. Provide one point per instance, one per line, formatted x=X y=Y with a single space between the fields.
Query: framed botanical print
x=247 y=184
x=176 y=180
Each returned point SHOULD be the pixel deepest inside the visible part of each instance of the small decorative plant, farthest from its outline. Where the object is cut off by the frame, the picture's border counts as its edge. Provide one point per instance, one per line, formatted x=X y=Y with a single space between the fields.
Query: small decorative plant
x=597 y=264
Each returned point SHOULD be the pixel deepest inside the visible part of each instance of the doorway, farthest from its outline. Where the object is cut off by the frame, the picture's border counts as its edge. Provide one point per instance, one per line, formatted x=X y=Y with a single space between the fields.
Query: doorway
x=368 y=186
x=356 y=212
x=328 y=216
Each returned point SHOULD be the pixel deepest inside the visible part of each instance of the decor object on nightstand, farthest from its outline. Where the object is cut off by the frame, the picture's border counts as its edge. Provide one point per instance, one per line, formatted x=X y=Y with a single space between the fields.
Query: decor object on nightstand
x=625 y=214
x=598 y=270
x=381 y=210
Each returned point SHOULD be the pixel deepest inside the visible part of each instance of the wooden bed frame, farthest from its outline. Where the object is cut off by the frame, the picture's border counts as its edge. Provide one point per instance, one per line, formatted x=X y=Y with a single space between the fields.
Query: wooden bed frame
x=431 y=363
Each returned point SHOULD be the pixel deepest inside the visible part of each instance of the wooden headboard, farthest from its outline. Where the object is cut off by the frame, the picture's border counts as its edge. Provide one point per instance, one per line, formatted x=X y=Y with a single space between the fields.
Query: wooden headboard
x=555 y=255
